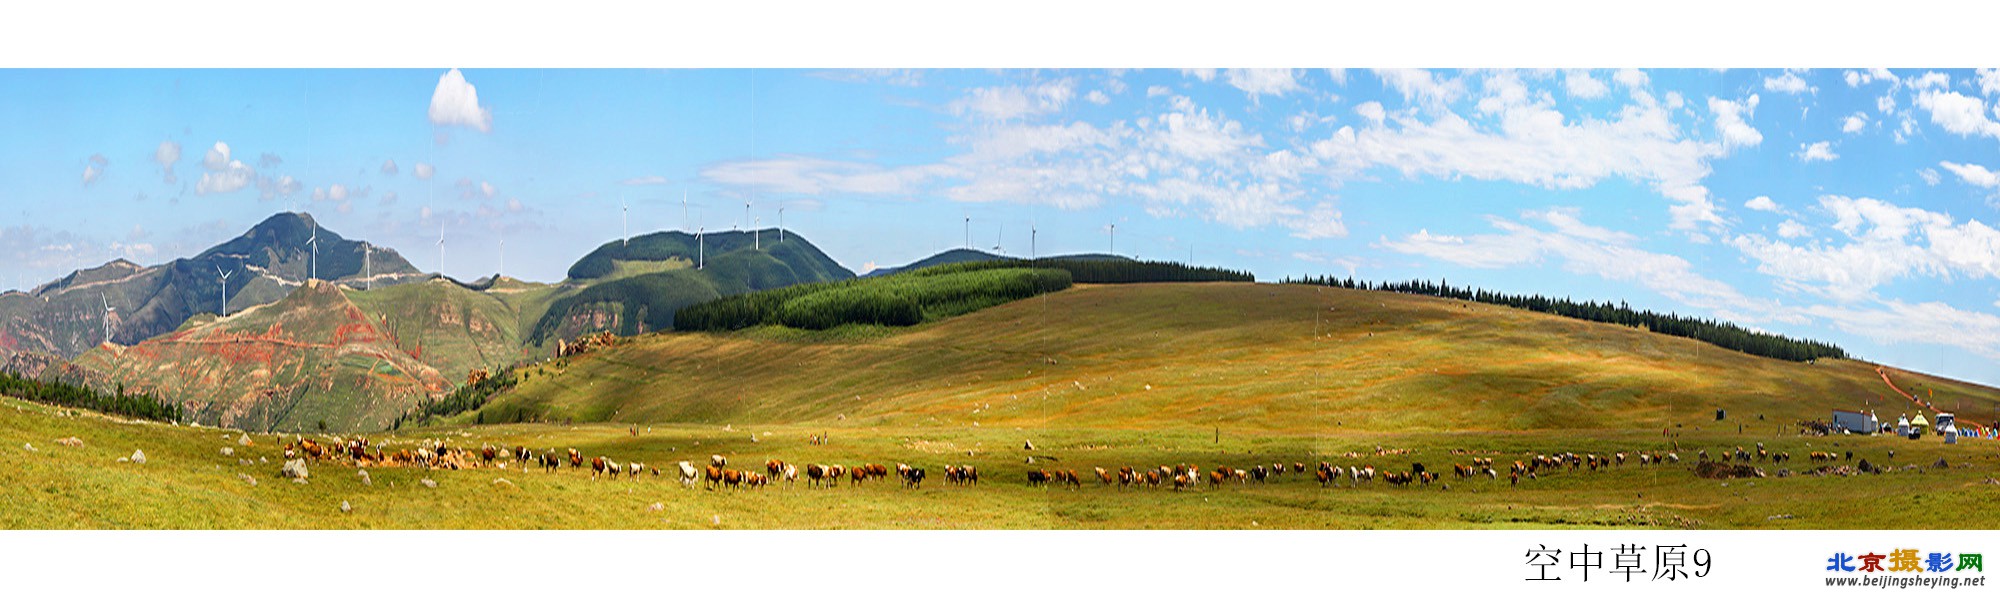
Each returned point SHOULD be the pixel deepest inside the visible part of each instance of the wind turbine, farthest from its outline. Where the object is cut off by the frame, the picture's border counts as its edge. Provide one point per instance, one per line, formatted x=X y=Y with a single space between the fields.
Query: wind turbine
x=781 y=223
x=225 y=288
x=756 y=236
x=503 y=257
x=1032 y=234
x=1114 y=239
x=701 y=251
x=968 y=232
x=367 y=273
x=684 y=210
x=625 y=218
x=107 y=316
x=746 y=211
x=440 y=248
x=996 y=239
x=315 y=247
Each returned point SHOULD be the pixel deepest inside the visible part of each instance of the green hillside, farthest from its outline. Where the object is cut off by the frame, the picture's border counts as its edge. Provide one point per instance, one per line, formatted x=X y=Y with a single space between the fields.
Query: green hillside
x=1276 y=358
x=445 y=325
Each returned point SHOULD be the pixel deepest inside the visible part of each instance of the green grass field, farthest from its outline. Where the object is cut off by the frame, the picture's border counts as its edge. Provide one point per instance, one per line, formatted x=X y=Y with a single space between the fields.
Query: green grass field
x=1097 y=376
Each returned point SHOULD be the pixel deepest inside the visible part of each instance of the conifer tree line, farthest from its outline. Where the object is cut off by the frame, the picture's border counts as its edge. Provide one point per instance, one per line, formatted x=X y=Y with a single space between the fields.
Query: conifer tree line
x=58 y=393
x=1720 y=333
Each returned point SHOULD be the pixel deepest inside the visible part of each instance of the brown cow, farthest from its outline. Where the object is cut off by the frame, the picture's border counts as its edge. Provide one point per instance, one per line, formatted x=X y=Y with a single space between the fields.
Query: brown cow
x=596 y=467
x=575 y=458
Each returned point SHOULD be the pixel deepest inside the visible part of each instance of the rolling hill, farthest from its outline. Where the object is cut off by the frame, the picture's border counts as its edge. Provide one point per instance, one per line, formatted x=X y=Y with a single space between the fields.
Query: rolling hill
x=635 y=287
x=1276 y=358
x=961 y=255
x=312 y=357
x=68 y=316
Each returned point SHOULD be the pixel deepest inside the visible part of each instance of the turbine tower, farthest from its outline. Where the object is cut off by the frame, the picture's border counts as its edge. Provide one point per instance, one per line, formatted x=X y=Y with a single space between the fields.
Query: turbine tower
x=314 y=242
x=1114 y=239
x=625 y=219
x=367 y=273
x=440 y=248
x=701 y=251
x=968 y=232
x=781 y=223
x=1032 y=234
x=756 y=236
x=746 y=211
x=225 y=288
x=107 y=316
x=684 y=210
x=503 y=257
x=996 y=239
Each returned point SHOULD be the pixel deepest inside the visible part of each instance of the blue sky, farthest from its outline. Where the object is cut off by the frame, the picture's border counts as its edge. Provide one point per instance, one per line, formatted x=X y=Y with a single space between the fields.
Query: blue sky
x=1853 y=206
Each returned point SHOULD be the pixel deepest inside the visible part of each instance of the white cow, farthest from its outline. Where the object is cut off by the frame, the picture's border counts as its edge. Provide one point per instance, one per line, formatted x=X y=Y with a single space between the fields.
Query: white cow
x=689 y=476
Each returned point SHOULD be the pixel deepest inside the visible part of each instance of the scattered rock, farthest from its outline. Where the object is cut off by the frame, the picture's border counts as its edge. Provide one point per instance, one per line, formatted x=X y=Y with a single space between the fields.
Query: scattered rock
x=715 y=519
x=28 y=447
x=1777 y=517
x=504 y=481
x=228 y=451
x=138 y=457
x=247 y=479
x=429 y=484
x=1867 y=467
x=1940 y=464
x=295 y=469
x=365 y=479
x=345 y=507
x=1716 y=470
x=657 y=507
x=71 y=441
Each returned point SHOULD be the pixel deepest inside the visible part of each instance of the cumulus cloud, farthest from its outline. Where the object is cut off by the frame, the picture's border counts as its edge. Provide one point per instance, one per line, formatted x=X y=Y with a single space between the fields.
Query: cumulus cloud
x=1788 y=83
x=1918 y=323
x=1421 y=86
x=1631 y=78
x=1730 y=122
x=1958 y=113
x=1579 y=84
x=1816 y=152
x=1854 y=123
x=1263 y=82
x=1865 y=77
x=1371 y=110
x=224 y=173
x=389 y=167
x=1974 y=175
x=1098 y=97
x=268 y=160
x=168 y=153
x=456 y=102
x=269 y=188
x=1930 y=176
x=423 y=171
x=1763 y=203
x=1884 y=242
x=1793 y=229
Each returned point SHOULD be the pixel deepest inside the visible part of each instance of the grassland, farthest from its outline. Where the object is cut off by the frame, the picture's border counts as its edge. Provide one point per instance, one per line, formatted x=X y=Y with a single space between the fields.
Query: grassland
x=1097 y=376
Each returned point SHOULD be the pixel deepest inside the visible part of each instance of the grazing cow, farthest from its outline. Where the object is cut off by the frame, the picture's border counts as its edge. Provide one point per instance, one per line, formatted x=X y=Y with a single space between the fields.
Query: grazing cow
x=611 y=469
x=1324 y=475
x=815 y=474
x=1257 y=473
x=688 y=474
x=596 y=467
x=913 y=477
x=487 y=453
x=716 y=460
x=1103 y=476
x=968 y=475
x=755 y=479
x=711 y=476
x=575 y=458
x=632 y=469
x=1298 y=467
x=732 y=477
x=834 y=473
x=791 y=474
x=877 y=471
x=774 y=467
x=1038 y=477
x=522 y=454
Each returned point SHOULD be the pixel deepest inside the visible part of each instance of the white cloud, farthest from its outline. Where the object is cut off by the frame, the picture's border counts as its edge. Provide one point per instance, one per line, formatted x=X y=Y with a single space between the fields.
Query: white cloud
x=1202 y=74
x=1861 y=78
x=1370 y=110
x=1854 y=123
x=423 y=171
x=1816 y=151
x=1418 y=85
x=1958 y=113
x=487 y=189
x=1763 y=203
x=269 y=188
x=1631 y=78
x=645 y=180
x=818 y=176
x=1579 y=84
x=1885 y=242
x=232 y=177
x=166 y=155
x=1989 y=81
x=1793 y=229
x=389 y=167
x=1098 y=97
x=1730 y=123
x=1788 y=83
x=456 y=102
x=1587 y=250
x=1930 y=80
x=1262 y=82
x=1973 y=174
x=1930 y=176
x=1339 y=76
x=1538 y=145
x=217 y=158
x=1323 y=221
x=1015 y=102
x=1919 y=323
x=1155 y=91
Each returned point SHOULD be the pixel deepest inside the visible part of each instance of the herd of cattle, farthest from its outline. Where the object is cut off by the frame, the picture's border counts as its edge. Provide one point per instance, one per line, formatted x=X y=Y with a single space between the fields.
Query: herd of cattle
x=717 y=473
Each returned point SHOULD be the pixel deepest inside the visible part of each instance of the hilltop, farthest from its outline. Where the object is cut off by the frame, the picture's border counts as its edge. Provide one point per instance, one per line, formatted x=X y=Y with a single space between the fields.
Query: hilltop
x=962 y=255
x=312 y=357
x=69 y=316
x=1260 y=357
